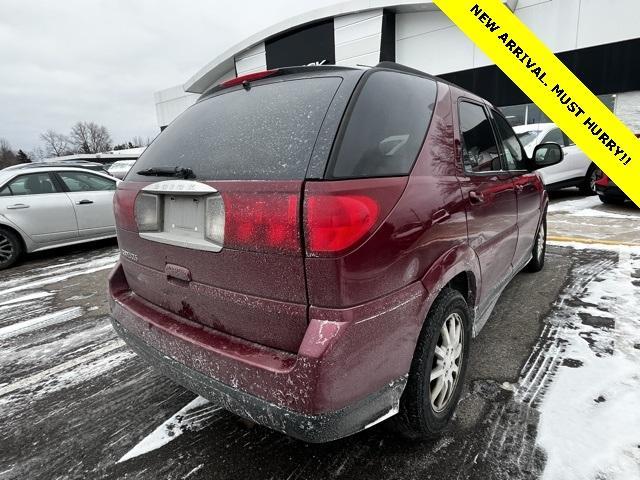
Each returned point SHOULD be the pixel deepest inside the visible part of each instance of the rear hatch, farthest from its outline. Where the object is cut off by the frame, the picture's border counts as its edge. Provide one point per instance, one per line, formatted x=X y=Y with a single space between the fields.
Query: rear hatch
x=209 y=217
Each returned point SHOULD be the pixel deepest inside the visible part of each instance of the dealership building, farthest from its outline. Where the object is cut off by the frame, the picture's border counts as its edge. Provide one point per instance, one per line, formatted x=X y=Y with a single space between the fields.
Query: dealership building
x=598 y=40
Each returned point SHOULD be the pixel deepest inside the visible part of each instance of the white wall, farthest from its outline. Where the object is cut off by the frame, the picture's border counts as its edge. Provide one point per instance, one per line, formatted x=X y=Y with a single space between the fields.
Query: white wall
x=627 y=109
x=358 y=37
x=172 y=101
x=429 y=41
x=252 y=60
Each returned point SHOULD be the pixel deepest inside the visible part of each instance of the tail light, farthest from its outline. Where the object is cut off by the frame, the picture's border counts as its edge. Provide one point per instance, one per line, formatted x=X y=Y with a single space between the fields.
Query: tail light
x=333 y=223
x=263 y=221
x=214 y=219
x=603 y=181
x=250 y=77
x=340 y=215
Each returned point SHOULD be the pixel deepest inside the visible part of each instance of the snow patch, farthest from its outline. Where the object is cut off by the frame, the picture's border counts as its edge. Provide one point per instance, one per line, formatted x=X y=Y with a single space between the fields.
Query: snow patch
x=36 y=323
x=590 y=420
x=588 y=207
x=191 y=417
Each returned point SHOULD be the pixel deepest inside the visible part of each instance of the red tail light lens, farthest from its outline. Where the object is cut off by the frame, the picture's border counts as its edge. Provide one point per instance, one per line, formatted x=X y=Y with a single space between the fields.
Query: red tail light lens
x=123 y=208
x=262 y=221
x=603 y=181
x=334 y=223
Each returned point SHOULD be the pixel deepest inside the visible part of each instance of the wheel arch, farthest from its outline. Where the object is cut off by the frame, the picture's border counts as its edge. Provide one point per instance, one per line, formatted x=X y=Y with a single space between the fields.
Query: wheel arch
x=17 y=232
x=458 y=268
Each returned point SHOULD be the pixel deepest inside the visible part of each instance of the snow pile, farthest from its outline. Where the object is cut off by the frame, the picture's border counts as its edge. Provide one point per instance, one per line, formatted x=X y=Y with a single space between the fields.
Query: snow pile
x=590 y=414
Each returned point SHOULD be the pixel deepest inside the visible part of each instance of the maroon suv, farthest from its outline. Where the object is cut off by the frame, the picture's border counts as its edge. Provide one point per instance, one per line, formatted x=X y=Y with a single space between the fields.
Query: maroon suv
x=313 y=248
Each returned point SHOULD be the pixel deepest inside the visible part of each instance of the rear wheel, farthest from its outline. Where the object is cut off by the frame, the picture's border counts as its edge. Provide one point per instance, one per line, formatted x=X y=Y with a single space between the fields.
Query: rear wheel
x=588 y=186
x=539 y=248
x=10 y=248
x=438 y=368
x=611 y=200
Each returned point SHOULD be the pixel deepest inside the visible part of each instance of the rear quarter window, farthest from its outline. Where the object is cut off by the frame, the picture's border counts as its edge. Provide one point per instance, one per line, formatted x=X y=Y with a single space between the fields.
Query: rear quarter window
x=264 y=133
x=385 y=126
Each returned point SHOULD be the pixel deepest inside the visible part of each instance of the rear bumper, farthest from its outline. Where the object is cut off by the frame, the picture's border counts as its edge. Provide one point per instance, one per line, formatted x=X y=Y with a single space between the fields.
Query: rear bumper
x=323 y=427
x=611 y=191
x=348 y=373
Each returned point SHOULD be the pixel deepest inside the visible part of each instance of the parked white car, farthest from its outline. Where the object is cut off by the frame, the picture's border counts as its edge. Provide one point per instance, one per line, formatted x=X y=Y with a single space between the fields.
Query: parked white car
x=120 y=168
x=575 y=170
x=47 y=207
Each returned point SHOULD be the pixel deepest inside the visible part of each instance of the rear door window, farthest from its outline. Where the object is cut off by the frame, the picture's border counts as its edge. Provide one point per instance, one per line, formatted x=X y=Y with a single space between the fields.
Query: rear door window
x=386 y=126
x=86 y=182
x=479 y=148
x=511 y=146
x=266 y=132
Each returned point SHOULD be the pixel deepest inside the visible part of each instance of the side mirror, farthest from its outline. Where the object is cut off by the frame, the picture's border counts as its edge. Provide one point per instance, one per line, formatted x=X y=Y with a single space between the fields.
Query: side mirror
x=547 y=154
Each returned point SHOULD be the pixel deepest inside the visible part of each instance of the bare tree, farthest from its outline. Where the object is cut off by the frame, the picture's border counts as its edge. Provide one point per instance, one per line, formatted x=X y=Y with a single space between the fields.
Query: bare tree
x=36 y=154
x=89 y=137
x=138 y=141
x=7 y=156
x=55 y=144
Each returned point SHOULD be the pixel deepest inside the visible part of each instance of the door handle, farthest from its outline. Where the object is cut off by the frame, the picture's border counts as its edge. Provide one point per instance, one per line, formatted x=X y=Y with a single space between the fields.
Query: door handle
x=476 y=198
x=17 y=206
x=84 y=202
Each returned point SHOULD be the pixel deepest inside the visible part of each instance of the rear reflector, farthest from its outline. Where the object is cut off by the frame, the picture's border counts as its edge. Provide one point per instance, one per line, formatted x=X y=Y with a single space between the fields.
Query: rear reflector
x=333 y=223
x=250 y=77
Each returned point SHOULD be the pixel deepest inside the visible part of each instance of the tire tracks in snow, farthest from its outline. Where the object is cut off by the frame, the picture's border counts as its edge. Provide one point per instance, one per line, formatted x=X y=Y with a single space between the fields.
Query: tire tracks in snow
x=512 y=441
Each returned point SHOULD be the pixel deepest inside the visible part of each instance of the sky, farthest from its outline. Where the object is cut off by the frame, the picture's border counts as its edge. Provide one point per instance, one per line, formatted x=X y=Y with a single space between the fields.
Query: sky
x=65 y=61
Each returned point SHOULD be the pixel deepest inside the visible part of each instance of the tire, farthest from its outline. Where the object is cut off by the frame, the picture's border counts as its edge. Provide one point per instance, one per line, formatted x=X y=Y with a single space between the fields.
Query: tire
x=10 y=248
x=421 y=417
x=539 y=248
x=611 y=200
x=588 y=187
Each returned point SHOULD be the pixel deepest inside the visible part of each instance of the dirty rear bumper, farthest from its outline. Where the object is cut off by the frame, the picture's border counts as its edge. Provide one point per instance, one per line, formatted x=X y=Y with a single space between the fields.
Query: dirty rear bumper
x=348 y=373
x=323 y=427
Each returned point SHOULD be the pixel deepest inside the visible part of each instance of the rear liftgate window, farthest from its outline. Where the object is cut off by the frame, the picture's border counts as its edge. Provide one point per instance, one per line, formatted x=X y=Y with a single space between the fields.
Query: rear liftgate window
x=266 y=133
x=386 y=126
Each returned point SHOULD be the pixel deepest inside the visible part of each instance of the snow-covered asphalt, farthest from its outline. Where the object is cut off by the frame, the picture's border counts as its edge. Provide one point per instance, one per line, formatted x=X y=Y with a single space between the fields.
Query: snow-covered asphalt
x=553 y=390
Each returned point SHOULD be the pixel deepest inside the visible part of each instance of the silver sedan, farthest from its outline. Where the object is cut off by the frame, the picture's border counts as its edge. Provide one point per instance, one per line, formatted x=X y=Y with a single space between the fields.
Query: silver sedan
x=47 y=207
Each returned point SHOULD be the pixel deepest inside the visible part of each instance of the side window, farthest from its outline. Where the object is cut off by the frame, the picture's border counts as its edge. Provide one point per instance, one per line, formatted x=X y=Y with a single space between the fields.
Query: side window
x=554 y=136
x=32 y=184
x=479 y=149
x=86 y=182
x=386 y=127
x=511 y=146
x=5 y=192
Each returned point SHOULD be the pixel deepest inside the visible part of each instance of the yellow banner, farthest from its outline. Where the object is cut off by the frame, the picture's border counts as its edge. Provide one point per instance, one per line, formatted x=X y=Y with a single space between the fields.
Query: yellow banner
x=552 y=87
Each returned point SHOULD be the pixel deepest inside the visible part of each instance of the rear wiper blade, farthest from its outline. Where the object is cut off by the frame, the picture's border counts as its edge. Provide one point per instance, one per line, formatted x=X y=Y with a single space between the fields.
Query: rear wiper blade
x=168 y=172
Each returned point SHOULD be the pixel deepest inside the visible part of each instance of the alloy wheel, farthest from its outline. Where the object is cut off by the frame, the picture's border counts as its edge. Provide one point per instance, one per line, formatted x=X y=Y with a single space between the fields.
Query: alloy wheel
x=447 y=361
x=6 y=248
x=593 y=178
x=540 y=242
